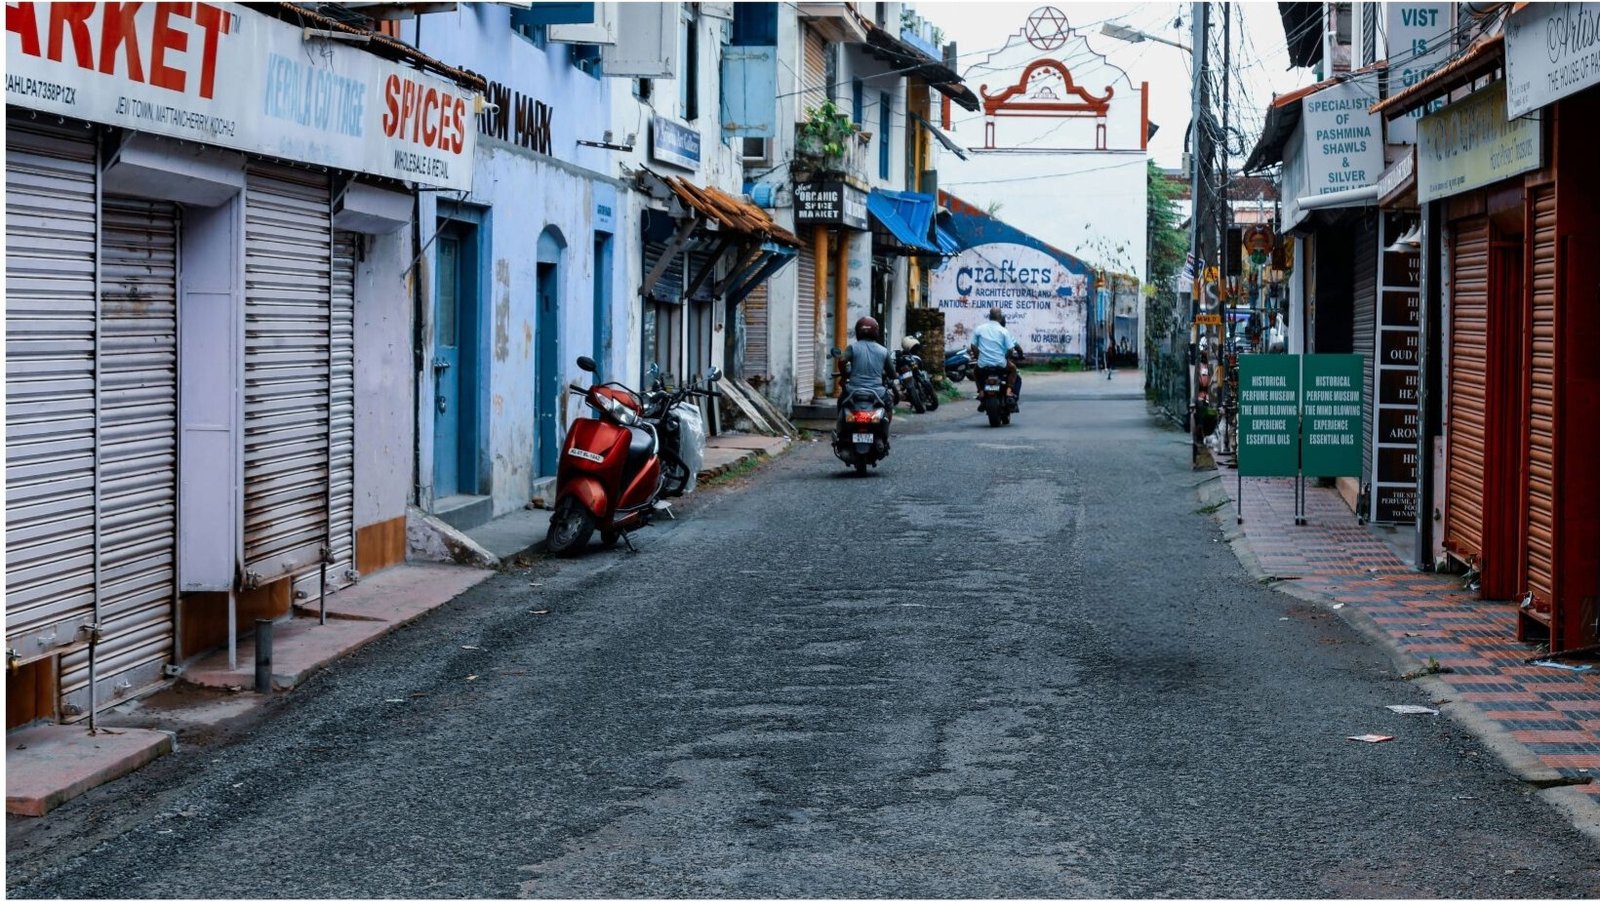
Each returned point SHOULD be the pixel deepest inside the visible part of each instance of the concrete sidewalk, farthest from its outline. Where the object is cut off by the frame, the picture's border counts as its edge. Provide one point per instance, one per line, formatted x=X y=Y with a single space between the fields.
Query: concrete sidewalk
x=1543 y=723
x=47 y=765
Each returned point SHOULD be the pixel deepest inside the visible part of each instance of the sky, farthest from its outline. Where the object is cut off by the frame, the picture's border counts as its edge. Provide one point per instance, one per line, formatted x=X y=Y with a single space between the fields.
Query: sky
x=1260 y=61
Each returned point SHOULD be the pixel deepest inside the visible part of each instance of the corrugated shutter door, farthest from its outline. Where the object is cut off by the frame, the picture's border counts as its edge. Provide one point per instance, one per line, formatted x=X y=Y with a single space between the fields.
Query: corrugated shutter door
x=814 y=70
x=756 y=362
x=805 y=333
x=1365 y=332
x=1468 y=381
x=138 y=452
x=288 y=239
x=51 y=212
x=342 y=507
x=1540 y=559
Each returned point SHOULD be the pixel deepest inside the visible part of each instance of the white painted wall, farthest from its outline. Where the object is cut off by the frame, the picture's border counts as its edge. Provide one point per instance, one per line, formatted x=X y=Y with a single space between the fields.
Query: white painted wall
x=384 y=421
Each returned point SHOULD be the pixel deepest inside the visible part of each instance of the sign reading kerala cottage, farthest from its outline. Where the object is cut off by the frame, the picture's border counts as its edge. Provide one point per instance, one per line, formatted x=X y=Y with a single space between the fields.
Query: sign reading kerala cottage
x=830 y=203
x=1470 y=143
x=1552 y=51
x=1343 y=142
x=222 y=74
x=1044 y=302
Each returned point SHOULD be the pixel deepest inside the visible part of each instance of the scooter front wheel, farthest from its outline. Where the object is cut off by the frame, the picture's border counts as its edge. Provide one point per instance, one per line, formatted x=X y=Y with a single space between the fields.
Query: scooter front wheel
x=571 y=524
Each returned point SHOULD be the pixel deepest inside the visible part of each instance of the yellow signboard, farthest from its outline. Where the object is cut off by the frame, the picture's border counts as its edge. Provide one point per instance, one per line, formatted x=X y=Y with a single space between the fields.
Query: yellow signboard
x=1208 y=319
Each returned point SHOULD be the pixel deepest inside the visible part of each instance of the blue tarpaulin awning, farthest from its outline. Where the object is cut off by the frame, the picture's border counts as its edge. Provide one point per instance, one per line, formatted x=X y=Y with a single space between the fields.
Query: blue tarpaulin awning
x=907 y=216
x=949 y=245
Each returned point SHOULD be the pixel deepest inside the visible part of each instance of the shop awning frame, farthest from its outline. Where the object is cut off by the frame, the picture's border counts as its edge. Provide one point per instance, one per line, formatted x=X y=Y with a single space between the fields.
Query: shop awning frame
x=939 y=135
x=906 y=215
x=1486 y=55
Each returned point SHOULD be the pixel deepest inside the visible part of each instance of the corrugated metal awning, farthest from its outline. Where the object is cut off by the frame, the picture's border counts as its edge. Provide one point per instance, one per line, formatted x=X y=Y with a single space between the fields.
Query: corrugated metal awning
x=1483 y=57
x=906 y=215
x=729 y=212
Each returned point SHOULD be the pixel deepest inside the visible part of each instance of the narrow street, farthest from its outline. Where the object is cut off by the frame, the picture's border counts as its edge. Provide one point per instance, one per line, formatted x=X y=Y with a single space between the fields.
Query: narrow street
x=1012 y=661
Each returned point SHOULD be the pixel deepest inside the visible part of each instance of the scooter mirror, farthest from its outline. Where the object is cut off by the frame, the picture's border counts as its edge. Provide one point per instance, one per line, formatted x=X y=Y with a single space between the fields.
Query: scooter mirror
x=713 y=374
x=835 y=353
x=587 y=365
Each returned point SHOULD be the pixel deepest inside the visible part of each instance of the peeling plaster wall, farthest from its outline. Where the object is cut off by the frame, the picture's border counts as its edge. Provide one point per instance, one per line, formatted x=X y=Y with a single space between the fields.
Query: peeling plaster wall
x=383 y=427
x=517 y=194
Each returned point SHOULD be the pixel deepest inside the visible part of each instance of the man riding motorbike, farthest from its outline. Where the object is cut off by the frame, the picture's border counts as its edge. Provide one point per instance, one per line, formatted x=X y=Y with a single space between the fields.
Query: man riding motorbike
x=866 y=363
x=993 y=347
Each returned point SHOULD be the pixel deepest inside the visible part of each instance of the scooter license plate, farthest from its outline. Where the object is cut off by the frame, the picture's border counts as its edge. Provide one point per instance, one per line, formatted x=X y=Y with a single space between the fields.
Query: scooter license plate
x=862 y=437
x=905 y=376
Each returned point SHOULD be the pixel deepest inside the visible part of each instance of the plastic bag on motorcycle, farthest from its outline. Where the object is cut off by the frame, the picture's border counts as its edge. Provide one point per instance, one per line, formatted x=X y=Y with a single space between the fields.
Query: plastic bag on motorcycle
x=691 y=441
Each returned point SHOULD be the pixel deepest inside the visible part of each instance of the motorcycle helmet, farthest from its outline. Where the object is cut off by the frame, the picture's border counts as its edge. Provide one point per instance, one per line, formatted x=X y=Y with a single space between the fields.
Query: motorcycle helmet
x=909 y=343
x=867 y=329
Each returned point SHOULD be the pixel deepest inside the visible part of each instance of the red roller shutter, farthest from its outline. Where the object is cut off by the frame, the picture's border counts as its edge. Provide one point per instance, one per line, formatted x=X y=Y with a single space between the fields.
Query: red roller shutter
x=1539 y=559
x=1465 y=432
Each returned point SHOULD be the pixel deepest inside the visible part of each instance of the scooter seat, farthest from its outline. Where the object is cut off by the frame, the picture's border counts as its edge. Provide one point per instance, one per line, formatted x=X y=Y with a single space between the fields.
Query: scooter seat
x=641 y=447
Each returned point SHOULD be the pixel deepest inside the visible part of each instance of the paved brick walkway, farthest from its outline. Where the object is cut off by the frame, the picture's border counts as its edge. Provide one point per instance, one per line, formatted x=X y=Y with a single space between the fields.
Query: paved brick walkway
x=1554 y=713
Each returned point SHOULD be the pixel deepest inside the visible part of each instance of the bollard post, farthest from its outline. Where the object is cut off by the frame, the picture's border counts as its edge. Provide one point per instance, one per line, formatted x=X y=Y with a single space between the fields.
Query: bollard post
x=264 y=656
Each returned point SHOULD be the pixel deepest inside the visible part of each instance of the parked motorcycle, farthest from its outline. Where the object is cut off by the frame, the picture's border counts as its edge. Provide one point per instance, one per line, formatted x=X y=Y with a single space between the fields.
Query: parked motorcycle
x=681 y=429
x=957 y=365
x=861 y=434
x=914 y=383
x=609 y=477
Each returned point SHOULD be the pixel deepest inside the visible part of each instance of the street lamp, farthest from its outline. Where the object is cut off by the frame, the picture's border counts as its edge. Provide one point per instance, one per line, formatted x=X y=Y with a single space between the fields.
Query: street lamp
x=1135 y=36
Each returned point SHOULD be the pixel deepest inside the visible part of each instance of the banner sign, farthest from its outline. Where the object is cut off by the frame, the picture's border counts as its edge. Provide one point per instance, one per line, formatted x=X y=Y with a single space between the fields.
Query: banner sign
x=674 y=143
x=218 y=73
x=1332 y=415
x=1419 y=36
x=1470 y=143
x=830 y=203
x=1343 y=142
x=1394 y=463
x=1552 y=51
x=1045 y=304
x=1269 y=414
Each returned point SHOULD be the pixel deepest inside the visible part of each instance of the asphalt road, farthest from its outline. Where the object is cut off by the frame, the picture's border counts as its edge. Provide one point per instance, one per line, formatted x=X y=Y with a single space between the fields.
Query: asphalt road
x=1008 y=662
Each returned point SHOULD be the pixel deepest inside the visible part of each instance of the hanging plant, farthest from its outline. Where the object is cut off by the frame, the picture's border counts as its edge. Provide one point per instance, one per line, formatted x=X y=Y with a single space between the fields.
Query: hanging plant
x=821 y=140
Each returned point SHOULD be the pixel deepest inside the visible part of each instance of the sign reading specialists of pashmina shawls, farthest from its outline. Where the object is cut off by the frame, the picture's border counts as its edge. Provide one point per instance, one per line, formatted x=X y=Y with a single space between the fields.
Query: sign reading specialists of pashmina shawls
x=1333 y=418
x=1552 y=51
x=221 y=74
x=1269 y=414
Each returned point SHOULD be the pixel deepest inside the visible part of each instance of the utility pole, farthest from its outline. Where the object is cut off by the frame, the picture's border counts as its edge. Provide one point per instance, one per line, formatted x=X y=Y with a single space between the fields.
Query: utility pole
x=1200 y=157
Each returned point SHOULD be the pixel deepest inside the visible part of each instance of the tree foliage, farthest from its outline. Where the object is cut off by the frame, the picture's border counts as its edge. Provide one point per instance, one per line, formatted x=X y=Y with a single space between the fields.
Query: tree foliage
x=1168 y=244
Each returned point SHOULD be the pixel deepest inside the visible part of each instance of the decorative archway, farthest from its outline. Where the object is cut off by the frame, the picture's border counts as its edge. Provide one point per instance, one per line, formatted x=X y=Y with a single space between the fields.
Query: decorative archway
x=1045 y=90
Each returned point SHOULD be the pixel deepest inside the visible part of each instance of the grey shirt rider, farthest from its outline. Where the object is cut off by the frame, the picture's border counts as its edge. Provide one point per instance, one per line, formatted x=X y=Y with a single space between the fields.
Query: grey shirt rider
x=867 y=363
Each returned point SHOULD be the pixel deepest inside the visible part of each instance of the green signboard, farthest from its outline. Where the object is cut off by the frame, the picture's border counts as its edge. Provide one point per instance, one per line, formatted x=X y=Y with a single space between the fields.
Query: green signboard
x=1332 y=410
x=1269 y=414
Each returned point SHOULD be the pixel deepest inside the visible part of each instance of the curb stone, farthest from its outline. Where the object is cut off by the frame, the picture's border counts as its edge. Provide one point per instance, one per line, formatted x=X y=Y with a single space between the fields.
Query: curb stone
x=1576 y=807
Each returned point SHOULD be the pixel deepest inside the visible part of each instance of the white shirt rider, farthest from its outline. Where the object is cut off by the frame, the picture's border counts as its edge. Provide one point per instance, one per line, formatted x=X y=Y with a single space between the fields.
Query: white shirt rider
x=992 y=341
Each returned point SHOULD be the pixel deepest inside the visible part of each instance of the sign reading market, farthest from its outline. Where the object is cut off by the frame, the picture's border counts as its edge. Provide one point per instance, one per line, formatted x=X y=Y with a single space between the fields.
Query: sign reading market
x=1045 y=303
x=220 y=74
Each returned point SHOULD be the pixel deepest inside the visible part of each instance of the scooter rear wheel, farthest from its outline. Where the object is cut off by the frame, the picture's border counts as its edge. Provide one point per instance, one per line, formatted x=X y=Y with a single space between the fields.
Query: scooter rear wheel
x=861 y=467
x=571 y=524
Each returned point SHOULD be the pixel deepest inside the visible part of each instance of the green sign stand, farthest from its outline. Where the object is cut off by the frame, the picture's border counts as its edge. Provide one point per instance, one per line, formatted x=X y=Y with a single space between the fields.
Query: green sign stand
x=1299 y=416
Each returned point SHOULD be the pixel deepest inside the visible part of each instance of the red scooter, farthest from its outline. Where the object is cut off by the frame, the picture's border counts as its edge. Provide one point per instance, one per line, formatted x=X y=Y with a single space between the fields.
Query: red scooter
x=609 y=477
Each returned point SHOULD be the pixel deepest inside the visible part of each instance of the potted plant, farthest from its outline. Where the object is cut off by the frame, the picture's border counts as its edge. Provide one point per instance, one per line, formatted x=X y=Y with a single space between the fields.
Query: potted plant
x=820 y=142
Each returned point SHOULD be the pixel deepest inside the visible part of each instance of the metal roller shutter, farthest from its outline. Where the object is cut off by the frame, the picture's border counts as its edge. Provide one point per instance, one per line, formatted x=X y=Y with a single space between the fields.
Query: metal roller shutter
x=1468 y=381
x=814 y=70
x=342 y=506
x=288 y=241
x=138 y=447
x=1539 y=561
x=805 y=332
x=756 y=339
x=52 y=194
x=1365 y=333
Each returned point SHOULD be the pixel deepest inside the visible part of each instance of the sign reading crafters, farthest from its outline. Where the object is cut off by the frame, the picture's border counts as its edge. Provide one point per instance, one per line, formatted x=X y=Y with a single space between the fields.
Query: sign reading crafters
x=220 y=74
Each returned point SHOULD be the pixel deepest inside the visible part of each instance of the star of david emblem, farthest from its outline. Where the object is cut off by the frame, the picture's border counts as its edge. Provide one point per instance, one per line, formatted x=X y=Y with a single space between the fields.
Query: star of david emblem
x=1047 y=28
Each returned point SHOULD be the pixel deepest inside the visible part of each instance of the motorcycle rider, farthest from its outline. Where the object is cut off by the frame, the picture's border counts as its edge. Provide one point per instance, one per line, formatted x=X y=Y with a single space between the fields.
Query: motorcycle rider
x=993 y=347
x=867 y=364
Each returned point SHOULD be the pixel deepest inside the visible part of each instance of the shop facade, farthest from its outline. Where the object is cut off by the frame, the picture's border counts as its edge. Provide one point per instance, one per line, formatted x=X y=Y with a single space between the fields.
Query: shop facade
x=202 y=329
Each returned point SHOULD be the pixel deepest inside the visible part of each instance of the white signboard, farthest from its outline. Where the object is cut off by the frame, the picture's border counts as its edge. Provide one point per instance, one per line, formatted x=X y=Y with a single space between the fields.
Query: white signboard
x=1343 y=142
x=1419 y=36
x=1045 y=303
x=221 y=74
x=1470 y=143
x=1552 y=51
